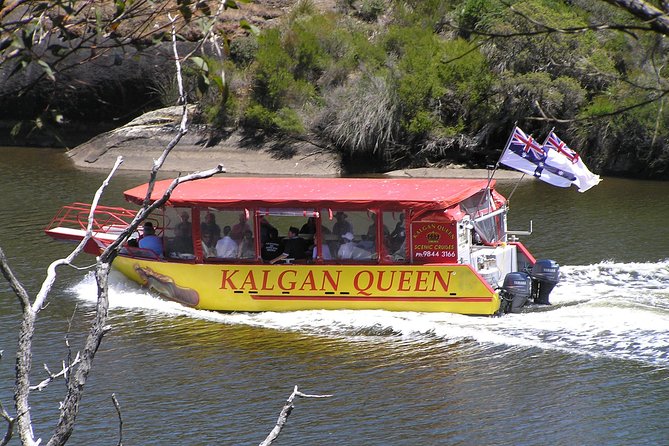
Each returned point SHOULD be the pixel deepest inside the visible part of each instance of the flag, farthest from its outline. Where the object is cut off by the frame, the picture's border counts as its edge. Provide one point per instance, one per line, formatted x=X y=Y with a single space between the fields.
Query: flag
x=584 y=178
x=525 y=154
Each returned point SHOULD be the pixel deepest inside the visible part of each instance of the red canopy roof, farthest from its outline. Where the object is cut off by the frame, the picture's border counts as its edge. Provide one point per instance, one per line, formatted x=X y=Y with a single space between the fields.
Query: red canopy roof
x=347 y=193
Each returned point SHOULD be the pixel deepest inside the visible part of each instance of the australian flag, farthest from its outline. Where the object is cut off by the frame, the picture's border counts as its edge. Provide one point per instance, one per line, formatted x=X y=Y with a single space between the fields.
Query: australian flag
x=555 y=143
x=526 y=147
x=561 y=156
x=523 y=153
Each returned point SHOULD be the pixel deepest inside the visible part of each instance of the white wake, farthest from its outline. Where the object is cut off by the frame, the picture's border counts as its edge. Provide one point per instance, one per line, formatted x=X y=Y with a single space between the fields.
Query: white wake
x=616 y=310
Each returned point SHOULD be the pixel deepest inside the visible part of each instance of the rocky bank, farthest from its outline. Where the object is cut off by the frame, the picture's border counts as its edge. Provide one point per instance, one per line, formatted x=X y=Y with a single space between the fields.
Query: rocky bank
x=143 y=140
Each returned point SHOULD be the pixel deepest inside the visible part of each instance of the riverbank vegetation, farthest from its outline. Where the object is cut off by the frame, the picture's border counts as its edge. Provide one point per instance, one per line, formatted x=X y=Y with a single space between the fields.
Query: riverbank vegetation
x=396 y=84
x=392 y=84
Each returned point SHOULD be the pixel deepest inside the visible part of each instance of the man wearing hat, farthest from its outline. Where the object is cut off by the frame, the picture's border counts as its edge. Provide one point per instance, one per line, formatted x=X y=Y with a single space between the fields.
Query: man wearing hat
x=341 y=226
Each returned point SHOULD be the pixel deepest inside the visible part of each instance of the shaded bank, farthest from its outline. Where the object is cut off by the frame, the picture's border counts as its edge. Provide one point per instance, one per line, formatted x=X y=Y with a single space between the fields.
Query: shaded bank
x=143 y=140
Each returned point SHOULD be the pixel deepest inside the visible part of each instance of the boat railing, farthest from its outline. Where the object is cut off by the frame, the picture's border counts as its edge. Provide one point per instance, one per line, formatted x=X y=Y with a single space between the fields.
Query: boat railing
x=106 y=219
x=513 y=234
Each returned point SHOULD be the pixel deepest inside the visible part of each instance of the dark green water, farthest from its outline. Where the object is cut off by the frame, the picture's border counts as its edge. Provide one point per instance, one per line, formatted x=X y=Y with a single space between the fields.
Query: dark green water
x=593 y=370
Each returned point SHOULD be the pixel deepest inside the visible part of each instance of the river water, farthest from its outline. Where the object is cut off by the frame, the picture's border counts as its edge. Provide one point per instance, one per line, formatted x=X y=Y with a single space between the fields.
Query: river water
x=591 y=370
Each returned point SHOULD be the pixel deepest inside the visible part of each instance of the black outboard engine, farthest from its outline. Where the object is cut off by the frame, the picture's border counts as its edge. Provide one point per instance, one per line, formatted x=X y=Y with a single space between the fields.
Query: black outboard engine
x=517 y=288
x=545 y=275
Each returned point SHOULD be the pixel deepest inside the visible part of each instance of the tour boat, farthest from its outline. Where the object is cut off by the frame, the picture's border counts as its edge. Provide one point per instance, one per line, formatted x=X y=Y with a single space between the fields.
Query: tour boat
x=253 y=244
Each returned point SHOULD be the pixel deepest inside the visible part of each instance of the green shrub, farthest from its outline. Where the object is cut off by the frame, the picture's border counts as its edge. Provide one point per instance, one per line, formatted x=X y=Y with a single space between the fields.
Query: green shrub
x=421 y=123
x=285 y=120
x=273 y=70
x=258 y=117
x=370 y=10
x=477 y=15
x=243 y=50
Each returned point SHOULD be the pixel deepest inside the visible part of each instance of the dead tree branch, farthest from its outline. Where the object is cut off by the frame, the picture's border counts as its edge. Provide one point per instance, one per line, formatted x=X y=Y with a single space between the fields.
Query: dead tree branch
x=285 y=413
x=53 y=376
x=117 y=406
x=70 y=405
x=656 y=18
x=10 y=425
x=84 y=360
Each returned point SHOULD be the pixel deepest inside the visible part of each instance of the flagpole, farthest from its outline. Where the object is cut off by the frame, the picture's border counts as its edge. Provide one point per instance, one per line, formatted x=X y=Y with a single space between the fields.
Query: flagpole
x=506 y=146
x=515 y=187
x=549 y=134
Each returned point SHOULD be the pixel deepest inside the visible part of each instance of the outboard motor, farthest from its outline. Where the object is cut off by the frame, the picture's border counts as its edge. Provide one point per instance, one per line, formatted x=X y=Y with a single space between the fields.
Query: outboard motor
x=545 y=275
x=517 y=288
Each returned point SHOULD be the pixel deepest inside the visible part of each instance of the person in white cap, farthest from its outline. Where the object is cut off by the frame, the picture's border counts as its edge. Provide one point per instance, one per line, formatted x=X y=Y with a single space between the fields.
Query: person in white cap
x=348 y=249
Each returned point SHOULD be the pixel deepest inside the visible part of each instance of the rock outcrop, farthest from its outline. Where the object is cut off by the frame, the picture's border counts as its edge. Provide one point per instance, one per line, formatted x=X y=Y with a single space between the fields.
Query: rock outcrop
x=144 y=139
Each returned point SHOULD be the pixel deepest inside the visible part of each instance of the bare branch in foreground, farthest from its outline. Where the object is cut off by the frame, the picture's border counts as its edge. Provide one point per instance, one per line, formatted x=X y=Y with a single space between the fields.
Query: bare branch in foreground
x=75 y=386
x=76 y=378
x=285 y=412
x=10 y=424
x=51 y=272
x=52 y=376
x=120 y=419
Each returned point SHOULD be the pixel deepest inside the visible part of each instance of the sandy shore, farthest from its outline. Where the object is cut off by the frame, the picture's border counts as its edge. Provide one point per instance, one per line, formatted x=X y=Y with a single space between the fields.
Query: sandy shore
x=143 y=140
x=238 y=161
x=457 y=172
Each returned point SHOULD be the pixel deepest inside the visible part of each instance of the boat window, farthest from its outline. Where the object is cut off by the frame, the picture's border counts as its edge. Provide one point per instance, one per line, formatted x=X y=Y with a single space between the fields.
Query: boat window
x=178 y=232
x=227 y=234
x=488 y=224
x=395 y=240
x=350 y=235
x=280 y=229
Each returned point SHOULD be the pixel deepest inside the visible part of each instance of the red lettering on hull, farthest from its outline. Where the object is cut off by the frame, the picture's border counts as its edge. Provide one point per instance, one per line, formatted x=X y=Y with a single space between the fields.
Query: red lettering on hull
x=366 y=282
x=226 y=281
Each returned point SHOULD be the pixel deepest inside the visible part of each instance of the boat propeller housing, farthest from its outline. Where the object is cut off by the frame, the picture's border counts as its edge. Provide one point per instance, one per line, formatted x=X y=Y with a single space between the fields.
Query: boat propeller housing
x=537 y=284
x=545 y=275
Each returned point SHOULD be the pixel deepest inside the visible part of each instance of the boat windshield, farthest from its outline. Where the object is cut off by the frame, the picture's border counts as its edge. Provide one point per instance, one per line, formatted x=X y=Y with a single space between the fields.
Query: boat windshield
x=488 y=220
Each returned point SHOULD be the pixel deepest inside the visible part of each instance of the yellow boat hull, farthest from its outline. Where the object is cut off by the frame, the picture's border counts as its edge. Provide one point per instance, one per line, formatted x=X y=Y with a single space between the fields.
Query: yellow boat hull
x=239 y=287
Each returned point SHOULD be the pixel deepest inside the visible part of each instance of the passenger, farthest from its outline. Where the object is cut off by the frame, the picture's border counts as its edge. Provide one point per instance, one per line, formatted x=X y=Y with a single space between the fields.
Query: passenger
x=348 y=250
x=400 y=254
x=371 y=230
x=341 y=226
x=476 y=238
x=399 y=234
x=211 y=227
x=309 y=227
x=271 y=248
x=150 y=240
x=368 y=241
x=226 y=247
x=267 y=231
x=294 y=247
x=208 y=245
x=325 y=251
x=183 y=239
x=240 y=228
x=247 y=249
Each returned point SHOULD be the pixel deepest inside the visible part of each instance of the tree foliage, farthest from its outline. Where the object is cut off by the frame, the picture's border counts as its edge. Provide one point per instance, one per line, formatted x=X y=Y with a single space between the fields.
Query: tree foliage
x=461 y=72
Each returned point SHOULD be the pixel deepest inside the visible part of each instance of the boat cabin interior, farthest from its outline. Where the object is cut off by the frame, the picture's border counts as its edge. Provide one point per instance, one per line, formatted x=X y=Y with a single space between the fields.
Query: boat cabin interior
x=472 y=231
